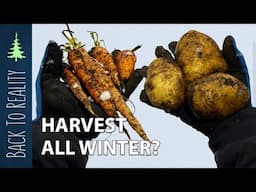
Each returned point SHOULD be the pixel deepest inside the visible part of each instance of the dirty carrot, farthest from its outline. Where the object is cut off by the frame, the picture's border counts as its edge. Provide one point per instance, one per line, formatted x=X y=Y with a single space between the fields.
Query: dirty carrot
x=75 y=86
x=100 y=86
x=125 y=61
x=102 y=55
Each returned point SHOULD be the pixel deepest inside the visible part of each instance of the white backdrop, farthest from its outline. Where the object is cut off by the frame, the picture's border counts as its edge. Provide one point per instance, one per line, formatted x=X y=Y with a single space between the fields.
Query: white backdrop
x=181 y=146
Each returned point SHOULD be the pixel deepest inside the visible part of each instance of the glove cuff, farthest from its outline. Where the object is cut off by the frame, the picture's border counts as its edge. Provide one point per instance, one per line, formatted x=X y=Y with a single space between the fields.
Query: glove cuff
x=237 y=127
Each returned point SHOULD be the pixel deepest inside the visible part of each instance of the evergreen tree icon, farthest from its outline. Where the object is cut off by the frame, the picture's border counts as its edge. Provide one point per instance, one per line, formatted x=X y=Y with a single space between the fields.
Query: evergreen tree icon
x=15 y=51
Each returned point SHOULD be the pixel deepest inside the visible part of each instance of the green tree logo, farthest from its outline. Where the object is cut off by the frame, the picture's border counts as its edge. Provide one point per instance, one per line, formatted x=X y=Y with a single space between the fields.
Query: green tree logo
x=15 y=51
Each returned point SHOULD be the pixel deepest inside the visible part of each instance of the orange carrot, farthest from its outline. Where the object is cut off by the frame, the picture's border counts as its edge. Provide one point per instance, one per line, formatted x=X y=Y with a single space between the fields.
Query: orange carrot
x=102 y=55
x=125 y=62
x=75 y=86
x=100 y=86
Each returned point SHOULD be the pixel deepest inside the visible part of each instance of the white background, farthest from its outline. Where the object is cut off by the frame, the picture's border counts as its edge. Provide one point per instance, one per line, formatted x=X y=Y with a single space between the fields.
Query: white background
x=181 y=146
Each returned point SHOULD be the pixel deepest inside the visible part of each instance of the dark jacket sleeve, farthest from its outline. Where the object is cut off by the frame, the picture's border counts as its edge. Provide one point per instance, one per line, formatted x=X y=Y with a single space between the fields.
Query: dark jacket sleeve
x=234 y=140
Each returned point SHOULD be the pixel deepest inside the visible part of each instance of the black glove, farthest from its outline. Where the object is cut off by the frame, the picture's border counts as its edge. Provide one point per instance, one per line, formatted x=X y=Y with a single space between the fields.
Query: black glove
x=237 y=68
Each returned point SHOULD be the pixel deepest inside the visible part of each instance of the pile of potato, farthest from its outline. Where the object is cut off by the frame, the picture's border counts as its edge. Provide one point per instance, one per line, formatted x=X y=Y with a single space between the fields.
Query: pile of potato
x=197 y=77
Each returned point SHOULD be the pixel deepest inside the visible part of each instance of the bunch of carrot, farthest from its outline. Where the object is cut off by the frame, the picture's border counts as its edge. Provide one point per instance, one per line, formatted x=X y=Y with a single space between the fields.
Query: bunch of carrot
x=98 y=73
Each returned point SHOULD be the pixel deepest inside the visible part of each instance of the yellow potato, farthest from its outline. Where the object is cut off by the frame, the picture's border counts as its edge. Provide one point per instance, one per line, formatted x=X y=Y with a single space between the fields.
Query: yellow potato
x=164 y=85
x=217 y=96
x=199 y=56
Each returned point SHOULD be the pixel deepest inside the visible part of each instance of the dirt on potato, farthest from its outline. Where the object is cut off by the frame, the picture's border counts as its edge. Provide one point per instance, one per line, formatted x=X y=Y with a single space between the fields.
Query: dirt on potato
x=217 y=96
x=199 y=56
x=164 y=86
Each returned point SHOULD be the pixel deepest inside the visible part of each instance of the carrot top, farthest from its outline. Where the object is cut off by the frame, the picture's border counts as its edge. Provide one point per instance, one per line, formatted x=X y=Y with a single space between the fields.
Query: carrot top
x=72 y=43
x=95 y=38
x=136 y=48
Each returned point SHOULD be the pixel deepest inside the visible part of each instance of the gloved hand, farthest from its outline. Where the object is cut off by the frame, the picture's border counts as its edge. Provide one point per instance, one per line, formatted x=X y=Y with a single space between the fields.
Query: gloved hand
x=237 y=68
x=54 y=99
x=57 y=100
